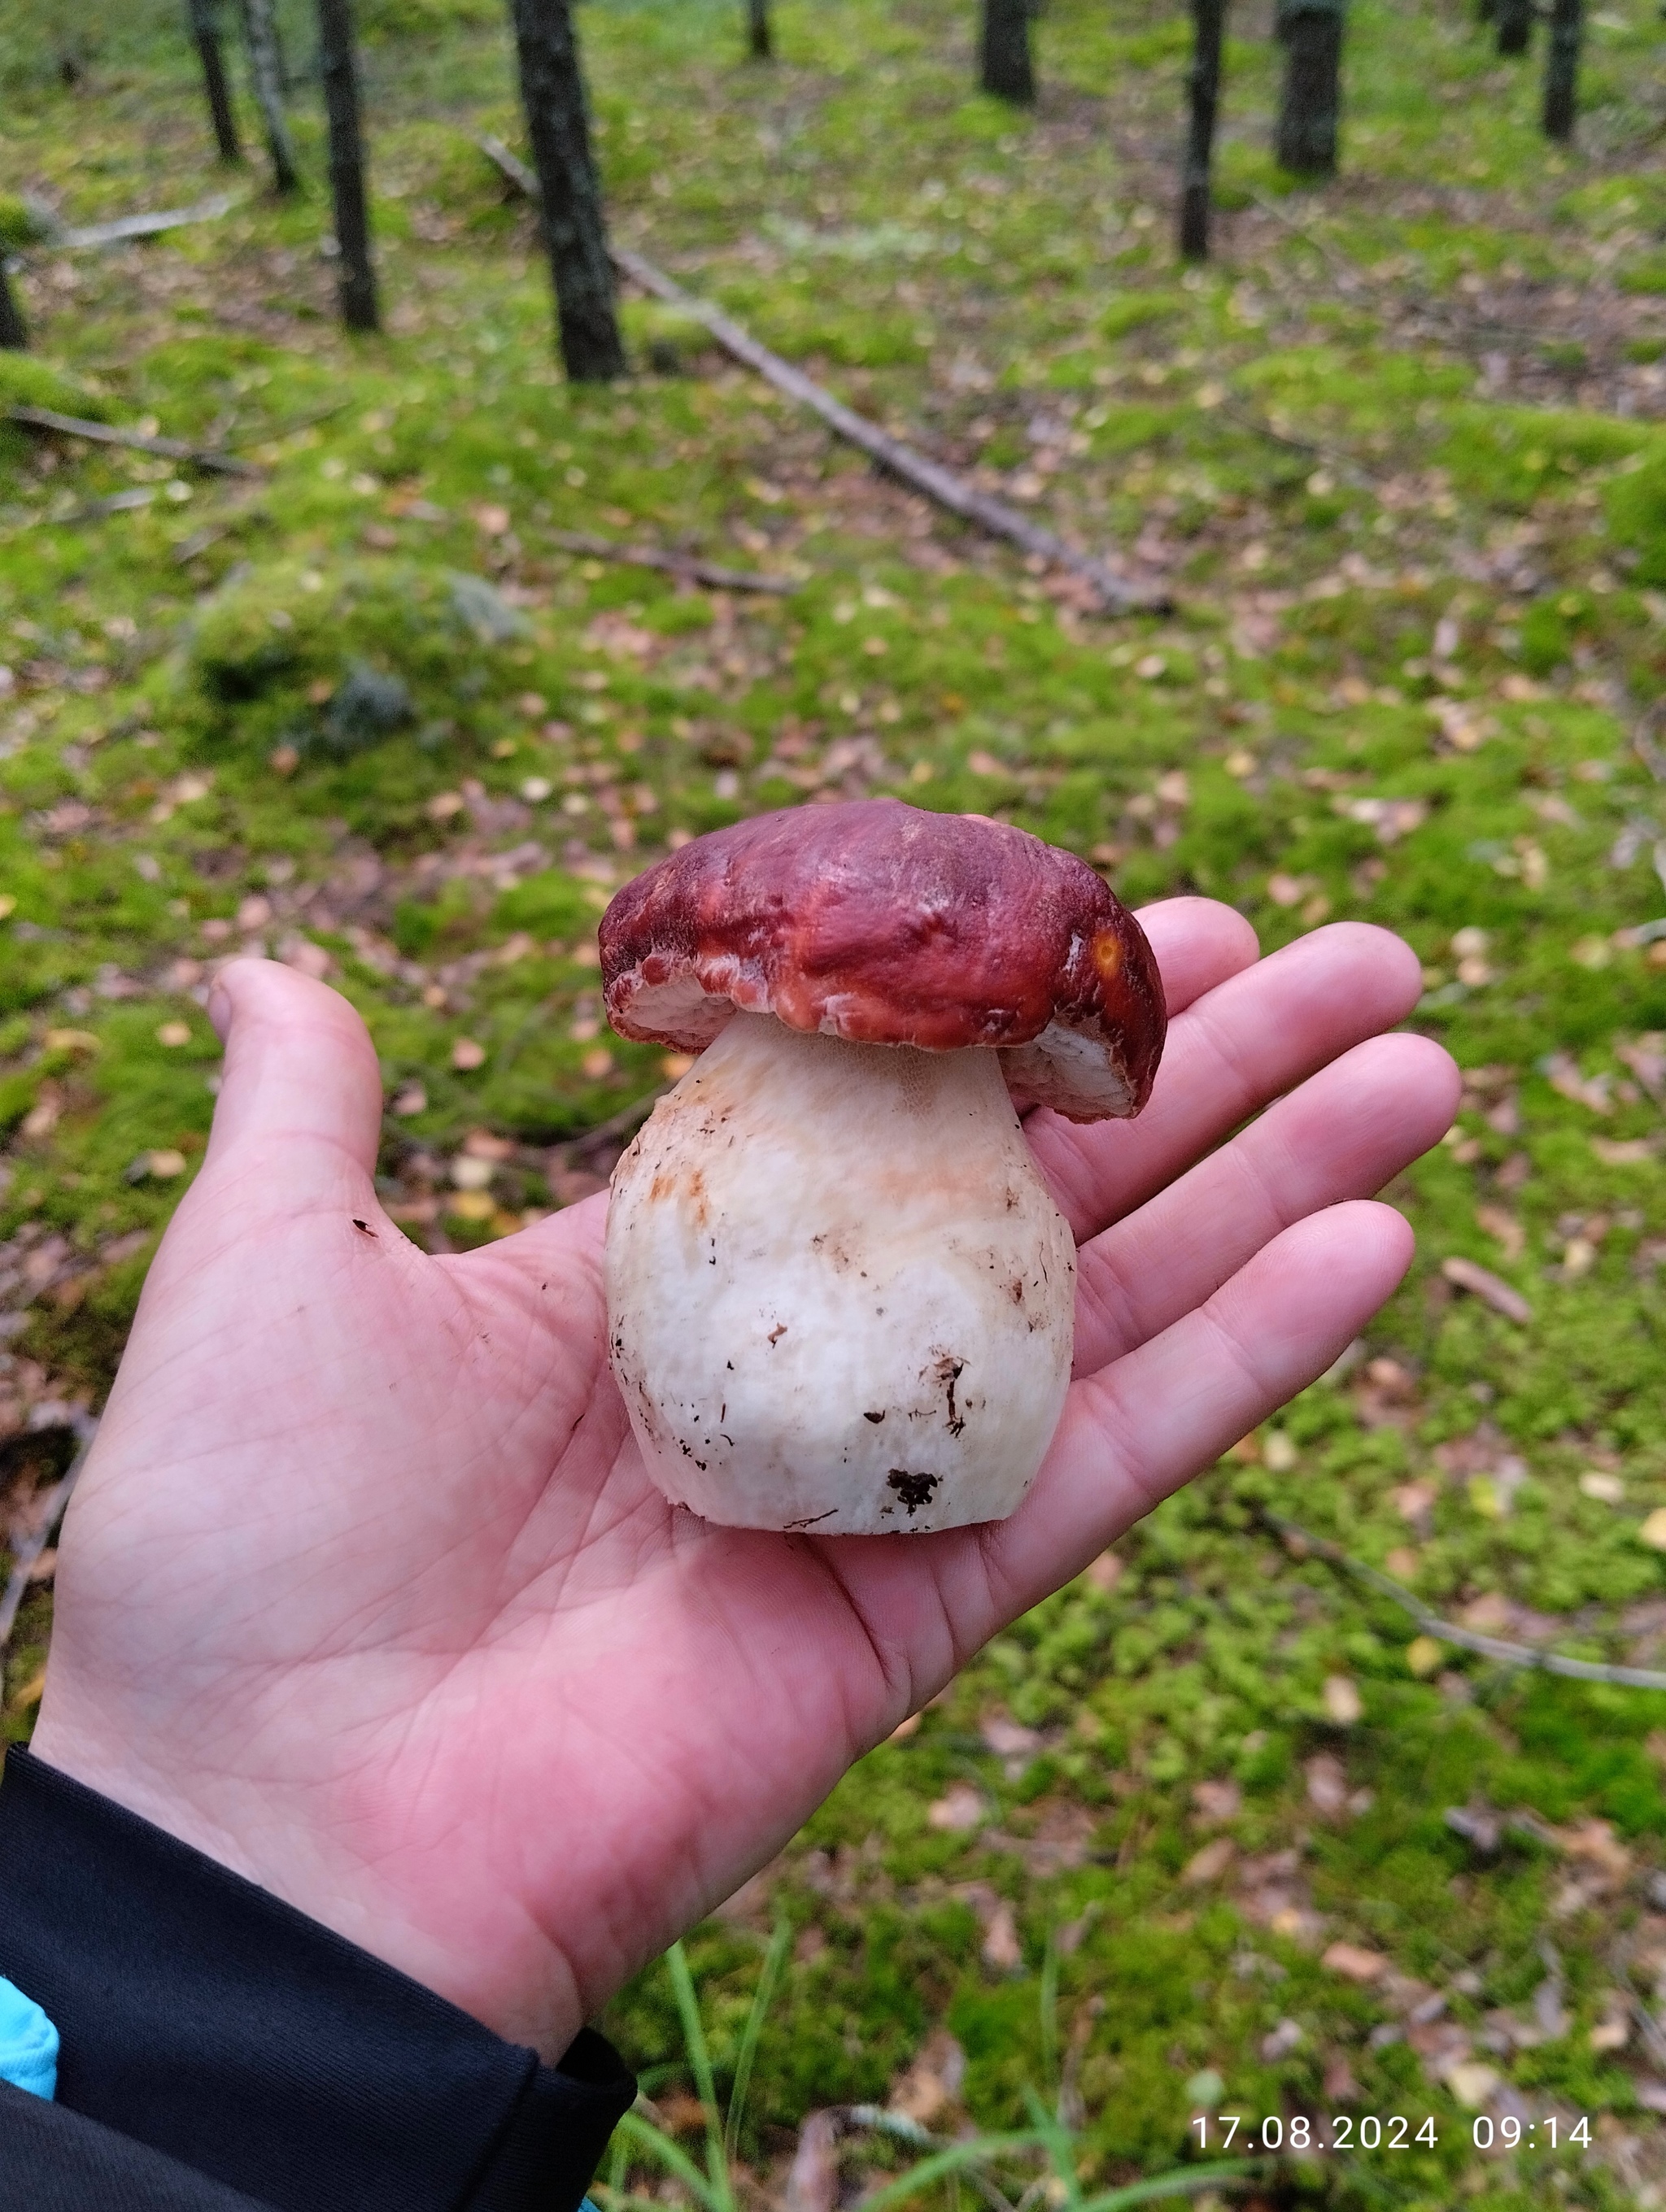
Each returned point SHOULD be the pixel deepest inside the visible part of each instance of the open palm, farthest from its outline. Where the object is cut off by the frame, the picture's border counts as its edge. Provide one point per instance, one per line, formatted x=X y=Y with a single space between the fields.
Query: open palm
x=366 y=1592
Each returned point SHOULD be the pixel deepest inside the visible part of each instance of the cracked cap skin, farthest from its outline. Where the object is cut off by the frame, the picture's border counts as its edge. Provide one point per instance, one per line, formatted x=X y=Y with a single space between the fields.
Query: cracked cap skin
x=882 y=923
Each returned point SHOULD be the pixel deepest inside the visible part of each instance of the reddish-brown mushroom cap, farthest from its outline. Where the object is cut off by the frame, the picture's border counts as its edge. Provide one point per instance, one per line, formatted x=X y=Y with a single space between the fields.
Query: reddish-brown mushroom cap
x=884 y=924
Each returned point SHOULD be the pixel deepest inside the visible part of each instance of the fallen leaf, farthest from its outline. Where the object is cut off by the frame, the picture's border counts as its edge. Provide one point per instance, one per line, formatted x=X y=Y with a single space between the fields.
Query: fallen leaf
x=933 y=2081
x=1343 y=1703
x=1486 y=1614
x=1606 y=1489
x=1472 y=2083
x=1217 y=1803
x=1423 y=1655
x=164 y=1165
x=1001 y=1950
x=1505 y=1228
x=595 y=1066
x=1492 y=1289
x=1327 y=1785
x=1412 y=1501
x=1286 y=2037
x=1359 y=1965
x=1652 y=1531
x=1623 y=1152
x=409 y=1100
x=1209 y=1864
x=813 y=2179
x=467 y=1053
x=959 y=1810
x=1006 y=1736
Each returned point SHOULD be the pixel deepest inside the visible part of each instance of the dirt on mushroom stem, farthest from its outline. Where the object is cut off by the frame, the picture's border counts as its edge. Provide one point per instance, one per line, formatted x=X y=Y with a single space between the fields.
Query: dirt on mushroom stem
x=839 y=1295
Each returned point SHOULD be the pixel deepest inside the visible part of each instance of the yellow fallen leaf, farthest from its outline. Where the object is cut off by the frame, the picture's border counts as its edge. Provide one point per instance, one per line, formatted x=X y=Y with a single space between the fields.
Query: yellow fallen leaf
x=1423 y=1655
x=1652 y=1531
x=1343 y=1703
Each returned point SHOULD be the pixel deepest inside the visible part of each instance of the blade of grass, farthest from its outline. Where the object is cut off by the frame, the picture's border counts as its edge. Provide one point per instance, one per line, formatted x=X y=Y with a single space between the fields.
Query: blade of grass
x=694 y=2035
x=1050 y=2010
x=950 y=2161
x=1184 y=2181
x=671 y=2155
x=774 y=1960
x=1061 y=2148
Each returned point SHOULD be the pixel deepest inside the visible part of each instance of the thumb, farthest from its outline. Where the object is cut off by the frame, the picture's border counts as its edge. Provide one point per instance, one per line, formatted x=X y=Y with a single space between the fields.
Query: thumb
x=301 y=1098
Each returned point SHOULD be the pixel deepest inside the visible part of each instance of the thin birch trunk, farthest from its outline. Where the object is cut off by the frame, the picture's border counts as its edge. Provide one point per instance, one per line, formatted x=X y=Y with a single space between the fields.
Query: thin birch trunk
x=1515 y=21
x=1562 y=68
x=205 y=35
x=338 y=61
x=570 y=198
x=1203 y=86
x=14 y=330
x=266 y=72
x=759 y=43
x=1007 y=71
x=1311 y=34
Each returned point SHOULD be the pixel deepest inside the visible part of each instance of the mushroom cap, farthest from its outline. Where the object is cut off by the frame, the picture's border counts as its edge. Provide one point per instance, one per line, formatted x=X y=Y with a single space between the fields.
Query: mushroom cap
x=884 y=924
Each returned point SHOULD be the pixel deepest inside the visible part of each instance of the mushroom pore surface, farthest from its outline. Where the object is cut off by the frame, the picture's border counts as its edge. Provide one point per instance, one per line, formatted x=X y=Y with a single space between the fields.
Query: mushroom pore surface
x=840 y=1297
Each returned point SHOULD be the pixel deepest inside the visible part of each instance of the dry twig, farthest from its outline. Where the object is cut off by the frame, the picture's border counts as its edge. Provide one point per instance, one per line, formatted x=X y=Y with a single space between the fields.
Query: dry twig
x=674 y=564
x=1116 y=594
x=106 y=433
x=1300 y=1542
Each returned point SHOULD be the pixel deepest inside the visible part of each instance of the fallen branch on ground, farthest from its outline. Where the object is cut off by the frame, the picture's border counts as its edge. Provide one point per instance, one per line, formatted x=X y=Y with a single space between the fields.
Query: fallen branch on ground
x=142 y=226
x=1300 y=1541
x=258 y=433
x=48 y=1512
x=119 y=502
x=97 y=235
x=103 y=434
x=1344 y=464
x=1117 y=595
x=674 y=564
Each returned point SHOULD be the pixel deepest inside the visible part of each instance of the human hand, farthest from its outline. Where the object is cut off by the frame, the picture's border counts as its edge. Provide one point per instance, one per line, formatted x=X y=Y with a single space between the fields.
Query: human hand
x=366 y=1593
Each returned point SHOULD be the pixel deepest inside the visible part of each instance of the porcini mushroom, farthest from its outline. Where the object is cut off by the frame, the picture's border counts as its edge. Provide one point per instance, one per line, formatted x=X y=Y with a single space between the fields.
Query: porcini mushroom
x=840 y=1297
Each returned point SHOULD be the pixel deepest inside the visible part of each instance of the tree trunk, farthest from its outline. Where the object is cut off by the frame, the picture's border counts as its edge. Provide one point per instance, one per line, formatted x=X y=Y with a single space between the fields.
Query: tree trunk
x=558 y=124
x=14 y=330
x=205 y=31
x=1007 y=68
x=266 y=72
x=759 y=44
x=1203 y=84
x=1562 y=68
x=1515 y=21
x=356 y=287
x=1312 y=31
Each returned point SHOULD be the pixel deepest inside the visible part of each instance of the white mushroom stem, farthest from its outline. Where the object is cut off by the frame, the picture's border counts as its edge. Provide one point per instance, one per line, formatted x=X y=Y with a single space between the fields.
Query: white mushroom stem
x=840 y=1297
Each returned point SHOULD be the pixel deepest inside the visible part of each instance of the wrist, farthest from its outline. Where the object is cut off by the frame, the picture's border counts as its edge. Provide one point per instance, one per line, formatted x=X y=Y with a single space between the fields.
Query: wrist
x=244 y=1825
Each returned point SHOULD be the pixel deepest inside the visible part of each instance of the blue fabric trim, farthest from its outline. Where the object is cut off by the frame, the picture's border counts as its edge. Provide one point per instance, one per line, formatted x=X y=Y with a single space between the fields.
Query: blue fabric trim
x=28 y=2043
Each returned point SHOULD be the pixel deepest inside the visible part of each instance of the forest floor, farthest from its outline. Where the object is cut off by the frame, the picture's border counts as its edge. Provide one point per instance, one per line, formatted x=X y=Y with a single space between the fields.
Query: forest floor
x=1400 y=453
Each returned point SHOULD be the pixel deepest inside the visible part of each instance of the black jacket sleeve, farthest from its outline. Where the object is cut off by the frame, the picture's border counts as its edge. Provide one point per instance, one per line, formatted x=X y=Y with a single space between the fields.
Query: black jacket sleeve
x=221 y=2052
